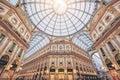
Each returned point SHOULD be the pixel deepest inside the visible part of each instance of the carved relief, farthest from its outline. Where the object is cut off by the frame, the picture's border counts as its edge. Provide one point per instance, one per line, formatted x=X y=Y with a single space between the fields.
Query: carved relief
x=117 y=6
x=100 y=28
x=108 y=18
x=3 y=9
x=14 y=20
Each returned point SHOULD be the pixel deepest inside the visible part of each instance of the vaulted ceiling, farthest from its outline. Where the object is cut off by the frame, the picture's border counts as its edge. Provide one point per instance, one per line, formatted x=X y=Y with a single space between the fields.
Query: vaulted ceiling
x=63 y=19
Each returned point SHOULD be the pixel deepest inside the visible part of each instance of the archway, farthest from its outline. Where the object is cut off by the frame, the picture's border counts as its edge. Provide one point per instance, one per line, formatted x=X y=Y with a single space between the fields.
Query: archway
x=117 y=57
x=61 y=74
x=52 y=73
x=109 y=64
x=112 y=69
x=13 y=68
x=3 y=62
x=70 y=73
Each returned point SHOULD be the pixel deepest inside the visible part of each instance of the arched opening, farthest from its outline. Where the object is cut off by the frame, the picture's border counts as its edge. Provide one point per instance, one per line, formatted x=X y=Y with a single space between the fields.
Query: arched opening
x=78 y=73
x=117 y=57
x=109 y=64
x=52 y=73
x=112 y=69
x=3 y=62
x=45 y=73
x=70 y=73
x=61 y=74
x=40 y=73
x=13 y=68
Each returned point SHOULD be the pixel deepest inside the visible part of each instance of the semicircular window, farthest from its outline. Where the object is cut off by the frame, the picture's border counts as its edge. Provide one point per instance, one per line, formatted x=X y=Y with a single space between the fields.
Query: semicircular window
x=13 y=2
x=83 y=40
x=60 y=17
x=37 y=42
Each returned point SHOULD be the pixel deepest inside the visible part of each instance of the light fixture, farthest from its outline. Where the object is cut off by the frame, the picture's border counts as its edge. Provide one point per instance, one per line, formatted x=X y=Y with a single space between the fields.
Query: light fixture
x=112 y=65
x=11 y=66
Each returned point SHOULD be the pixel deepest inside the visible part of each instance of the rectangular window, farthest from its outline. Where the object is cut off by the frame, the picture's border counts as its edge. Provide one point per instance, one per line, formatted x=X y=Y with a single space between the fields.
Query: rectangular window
x=12 y=47
x=69 y=70
x=102 y=51
x=60 y=70
x=19 y=55
x=111 y=46
x=52 y=70
x=1 y=37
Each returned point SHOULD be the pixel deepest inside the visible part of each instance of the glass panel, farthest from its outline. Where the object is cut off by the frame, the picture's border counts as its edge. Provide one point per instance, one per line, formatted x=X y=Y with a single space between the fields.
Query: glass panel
x=106 y=1
x=60 y=17
x=38 y=41
x=1 y=37
x=83 y=40
x=12 y=47
x=60 y=70
x=19 y=55
x=102 y=51
x=13 y=2
x=111 y=46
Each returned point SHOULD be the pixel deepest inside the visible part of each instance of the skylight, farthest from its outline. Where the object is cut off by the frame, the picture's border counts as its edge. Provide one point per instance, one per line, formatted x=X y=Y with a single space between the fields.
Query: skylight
x=37 y=42
x=13 y=2
x=83 y=40
x=60 y=17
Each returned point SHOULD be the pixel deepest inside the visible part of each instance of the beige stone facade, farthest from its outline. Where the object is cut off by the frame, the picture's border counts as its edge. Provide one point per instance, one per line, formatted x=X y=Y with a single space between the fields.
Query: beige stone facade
x=105 y=31
x=14 y=37
x=58 y=61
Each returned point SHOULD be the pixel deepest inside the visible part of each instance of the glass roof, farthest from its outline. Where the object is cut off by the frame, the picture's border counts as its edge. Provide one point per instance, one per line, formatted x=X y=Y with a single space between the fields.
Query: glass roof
x=13 y=2
x=83 y=40
x=60 y=17
x=97 y=61
x=37 y=42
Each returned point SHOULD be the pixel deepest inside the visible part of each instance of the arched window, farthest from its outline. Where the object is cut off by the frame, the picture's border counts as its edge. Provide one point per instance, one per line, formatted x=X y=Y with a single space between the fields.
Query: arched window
x=111 y=46
x=4 y=60
x=60 y=70
x=1 y=37
x=102 y=51
x=13 y=2
x=106 y=1
x=52 y=69
x=117 y=57
x=109 y=64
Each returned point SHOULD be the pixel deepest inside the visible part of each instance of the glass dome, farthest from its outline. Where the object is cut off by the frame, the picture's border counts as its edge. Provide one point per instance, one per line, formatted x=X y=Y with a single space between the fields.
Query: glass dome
x=60 y=17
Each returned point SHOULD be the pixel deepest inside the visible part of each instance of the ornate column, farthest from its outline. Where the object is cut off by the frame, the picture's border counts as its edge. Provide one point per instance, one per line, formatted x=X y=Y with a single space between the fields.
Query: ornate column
x=17 y=52
x=66 y=61
x=112 y=57
x=109 y=51
x=72 y=61
x=48 y=69
x=118 y=38
x=7 y=46
x=55 y=61
x=63 y=61
x=74 y=69
x=4 y=75
x=106 y=52
x=66 y=64
x=3 y=44
x=115 y=44
x=13 y=54
x=58 y=60
x=9 y=65
x=103 y=60
x=22 y=55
